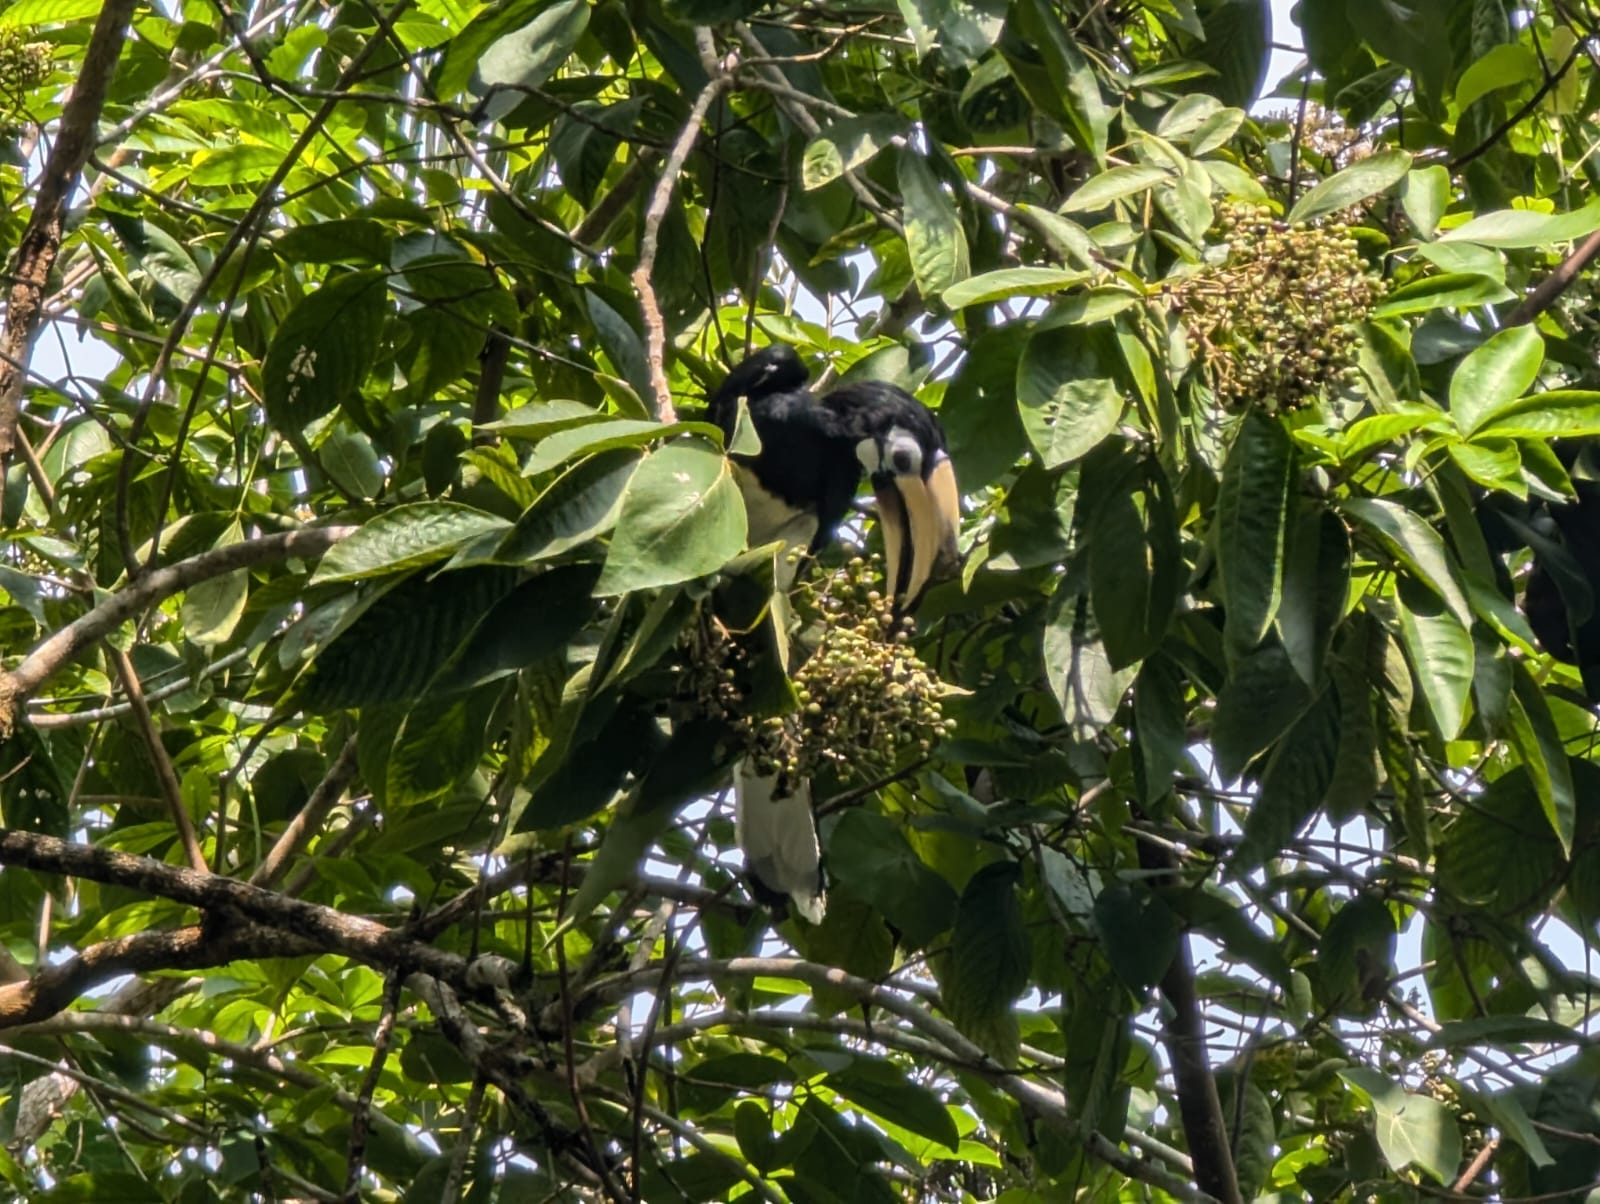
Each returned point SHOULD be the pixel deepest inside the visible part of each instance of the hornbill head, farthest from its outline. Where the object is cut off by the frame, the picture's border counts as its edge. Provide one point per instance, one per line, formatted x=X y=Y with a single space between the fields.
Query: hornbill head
x=902 y=447
x=776 y=368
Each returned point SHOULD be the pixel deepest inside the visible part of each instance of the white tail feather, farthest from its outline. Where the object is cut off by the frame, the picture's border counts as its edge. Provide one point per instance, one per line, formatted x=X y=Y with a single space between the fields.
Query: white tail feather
x=778 y=834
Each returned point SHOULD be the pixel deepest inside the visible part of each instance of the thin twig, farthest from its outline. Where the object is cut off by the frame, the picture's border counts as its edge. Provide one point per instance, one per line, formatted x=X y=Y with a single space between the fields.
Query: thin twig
x=451 y=1191
x=361 y=1120
x=166 y=775
x=655 y=326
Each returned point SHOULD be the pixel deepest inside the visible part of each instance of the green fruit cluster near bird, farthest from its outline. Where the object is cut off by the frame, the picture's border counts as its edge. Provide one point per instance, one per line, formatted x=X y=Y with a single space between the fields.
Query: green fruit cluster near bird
x=866 y=699
x=1276 y=321
x=23 y=64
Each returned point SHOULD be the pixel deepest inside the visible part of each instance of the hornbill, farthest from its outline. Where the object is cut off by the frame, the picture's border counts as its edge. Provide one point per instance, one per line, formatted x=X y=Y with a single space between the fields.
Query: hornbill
x=797 y=489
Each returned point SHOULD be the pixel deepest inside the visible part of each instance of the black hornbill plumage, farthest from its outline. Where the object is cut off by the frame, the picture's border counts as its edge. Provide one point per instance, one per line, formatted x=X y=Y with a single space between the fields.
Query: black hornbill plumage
x=797 y=489
x=813 y=453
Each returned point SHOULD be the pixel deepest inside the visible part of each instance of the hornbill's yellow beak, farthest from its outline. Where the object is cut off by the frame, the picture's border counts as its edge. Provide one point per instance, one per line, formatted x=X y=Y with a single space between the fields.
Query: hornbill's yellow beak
x=920 y=517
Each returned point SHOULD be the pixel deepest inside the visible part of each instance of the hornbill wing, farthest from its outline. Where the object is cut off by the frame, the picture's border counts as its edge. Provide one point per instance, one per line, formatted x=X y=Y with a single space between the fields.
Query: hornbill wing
x=902 y=446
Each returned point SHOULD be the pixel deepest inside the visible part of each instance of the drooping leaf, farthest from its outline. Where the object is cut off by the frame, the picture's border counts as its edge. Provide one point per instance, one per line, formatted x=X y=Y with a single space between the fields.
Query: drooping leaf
x=987 y=966
x=934 y=237
x=1068 y=393
x=1252 y=520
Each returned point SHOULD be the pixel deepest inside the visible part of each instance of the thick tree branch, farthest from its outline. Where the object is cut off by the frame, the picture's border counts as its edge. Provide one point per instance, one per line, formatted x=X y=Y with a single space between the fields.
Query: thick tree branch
x=41 y=241
x=58 y=986
x=1557 y=282
x=326 y=929
x=52 y=654
x=655 y=327
x=1199 y=1105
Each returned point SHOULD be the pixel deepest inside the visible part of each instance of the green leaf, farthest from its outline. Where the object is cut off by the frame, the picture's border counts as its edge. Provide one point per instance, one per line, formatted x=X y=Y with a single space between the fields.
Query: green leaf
x=437 y=746
x=1497 y=1032
x=1425 y=196
x=1416 y=545
x=1362 y=179
x=962 y=30
x=1516 y=228
x=1134 y=555
x=348 y=458
x=403 y=538
x=1293 y=784
x=987 y=966
x=1495 y=375
x=522 y=59
x=541 y=418
x=1316 y=585
x=934 y=237
x=1010 y=282
x=883 y=1089
x=1139 y=934
x=239 y=163
x=1235 y=45
x=49 y=12
x=682 y=517
x=1539 y=745
x=869 y=854
x=1067 y=392
x=1441 y=654
x=1557 y=414
x=1067 y=87
x=1252 y=520
x=1115 y=184
x=1412 y=1130
x=1080 y=672
x=1449 y=290
x=578 y=506
x=1505 y=66
x=212 y=609
x=845 y=145
x=324 y=348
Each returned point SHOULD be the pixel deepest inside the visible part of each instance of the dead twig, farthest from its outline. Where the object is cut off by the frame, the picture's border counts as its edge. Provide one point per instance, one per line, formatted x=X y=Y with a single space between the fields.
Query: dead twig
x=171 y=788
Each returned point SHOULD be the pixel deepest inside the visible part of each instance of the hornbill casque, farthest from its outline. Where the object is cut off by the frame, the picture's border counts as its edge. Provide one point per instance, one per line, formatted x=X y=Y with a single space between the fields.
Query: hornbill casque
x=797 y=489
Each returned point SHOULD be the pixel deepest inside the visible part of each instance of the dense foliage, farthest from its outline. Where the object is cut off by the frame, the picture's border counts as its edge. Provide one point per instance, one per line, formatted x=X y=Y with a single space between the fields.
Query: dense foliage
x=378 y=625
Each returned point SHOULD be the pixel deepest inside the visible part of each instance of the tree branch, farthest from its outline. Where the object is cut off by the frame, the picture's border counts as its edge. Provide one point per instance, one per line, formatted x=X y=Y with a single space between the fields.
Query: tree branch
x=324 y=928
x=655 y=326
x=48 y=657
x=57 y=987
x=41 y=241
x=1184 y=1036
x=171 y=789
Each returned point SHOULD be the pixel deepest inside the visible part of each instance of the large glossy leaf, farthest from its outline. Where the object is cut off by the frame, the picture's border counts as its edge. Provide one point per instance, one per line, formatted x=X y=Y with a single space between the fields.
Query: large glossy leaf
x=870 y=855
x=324 y=348
x=987 y=966
x=1494 y=376
x=1133 y=555
x=1252 y=520
x=682 y=517
x=934 y=238
x=1068 y=393
x=1440 y=650
x=1413 y=1130
x=1362 y=179
x=1415 y=545
x=405 y=537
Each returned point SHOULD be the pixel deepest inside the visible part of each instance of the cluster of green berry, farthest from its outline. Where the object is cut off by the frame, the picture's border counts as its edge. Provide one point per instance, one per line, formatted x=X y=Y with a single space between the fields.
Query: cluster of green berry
x=24 y=65
x=866 y=699
x=1276 y=321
